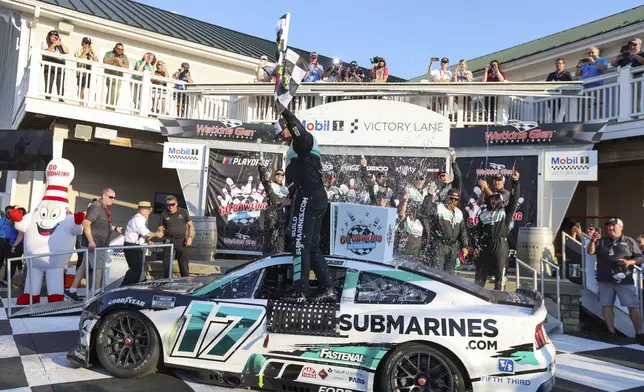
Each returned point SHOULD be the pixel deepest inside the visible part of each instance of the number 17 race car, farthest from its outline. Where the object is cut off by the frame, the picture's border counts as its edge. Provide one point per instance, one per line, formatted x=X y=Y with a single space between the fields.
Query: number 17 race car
x=400 y=326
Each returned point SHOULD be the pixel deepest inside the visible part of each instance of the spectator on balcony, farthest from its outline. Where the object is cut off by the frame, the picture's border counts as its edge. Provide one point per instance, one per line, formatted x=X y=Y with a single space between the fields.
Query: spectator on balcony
x=336 y=72
x=117 y=58
x=560 y=74
x=264 y=72
x=461 y=74
x=442 y=75
x=182 y=74
x=634 y=57
x=354 y=73
x=159 y=89
x=493 y=72
x=592 y=66
x=53 y=43
x=86 y=52
x=147 y=63
x=315 y=71
x=379 y=72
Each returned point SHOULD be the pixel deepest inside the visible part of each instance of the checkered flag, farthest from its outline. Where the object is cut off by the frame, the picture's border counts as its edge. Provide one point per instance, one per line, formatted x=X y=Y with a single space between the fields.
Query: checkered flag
x=289 y=76
x=230 y=123
x=523 y=126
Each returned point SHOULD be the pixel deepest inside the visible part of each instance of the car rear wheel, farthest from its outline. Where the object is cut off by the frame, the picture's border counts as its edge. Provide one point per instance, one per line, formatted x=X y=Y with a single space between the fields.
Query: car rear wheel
x=419 y=368
x=127 y=344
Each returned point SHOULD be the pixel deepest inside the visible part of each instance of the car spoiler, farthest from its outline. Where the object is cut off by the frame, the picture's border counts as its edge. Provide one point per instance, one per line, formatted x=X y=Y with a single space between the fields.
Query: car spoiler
x=536 y=296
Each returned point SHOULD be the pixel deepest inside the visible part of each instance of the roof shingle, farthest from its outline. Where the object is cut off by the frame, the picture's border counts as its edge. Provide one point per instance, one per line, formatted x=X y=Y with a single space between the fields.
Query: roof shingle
x=182 y=27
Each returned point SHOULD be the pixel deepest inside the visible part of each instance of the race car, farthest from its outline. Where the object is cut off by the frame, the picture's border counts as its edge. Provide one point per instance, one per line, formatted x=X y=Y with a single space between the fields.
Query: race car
x=399 y=326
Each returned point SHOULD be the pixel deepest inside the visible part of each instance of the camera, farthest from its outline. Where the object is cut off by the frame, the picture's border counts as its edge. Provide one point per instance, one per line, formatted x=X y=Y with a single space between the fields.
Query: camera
x=375 y=60
x=435 y=59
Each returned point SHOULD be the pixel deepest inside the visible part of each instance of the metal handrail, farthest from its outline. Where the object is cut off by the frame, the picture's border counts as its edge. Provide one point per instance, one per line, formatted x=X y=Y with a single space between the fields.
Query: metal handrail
x=543 y=291
x=29 y=259
x=534 y=273
x=108 y=248
x=638 y=285
x=565 y=236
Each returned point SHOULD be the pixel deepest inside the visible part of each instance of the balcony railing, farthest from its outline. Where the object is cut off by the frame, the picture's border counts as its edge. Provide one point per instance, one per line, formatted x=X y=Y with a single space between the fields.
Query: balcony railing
x=619 y=97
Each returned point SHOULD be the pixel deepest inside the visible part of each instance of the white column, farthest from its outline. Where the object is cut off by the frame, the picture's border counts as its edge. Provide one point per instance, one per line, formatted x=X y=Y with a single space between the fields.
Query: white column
x=61 y=132
x=37 y=189
x=625 y=94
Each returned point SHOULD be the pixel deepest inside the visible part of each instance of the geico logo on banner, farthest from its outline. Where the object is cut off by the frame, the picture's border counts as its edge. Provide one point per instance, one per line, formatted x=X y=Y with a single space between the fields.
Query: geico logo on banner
x=355 y=167
x=377 y=123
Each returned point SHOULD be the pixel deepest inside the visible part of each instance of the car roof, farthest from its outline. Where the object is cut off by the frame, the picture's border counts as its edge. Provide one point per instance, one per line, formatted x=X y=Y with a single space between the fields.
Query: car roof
x=400 y=263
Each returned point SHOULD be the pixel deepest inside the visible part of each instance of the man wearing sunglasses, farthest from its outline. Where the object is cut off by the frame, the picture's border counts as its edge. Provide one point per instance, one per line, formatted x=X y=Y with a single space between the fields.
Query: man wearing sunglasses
x=496 y=225
x=446 y=227
x=616 y=256
x=446 y=183
x=175 y=222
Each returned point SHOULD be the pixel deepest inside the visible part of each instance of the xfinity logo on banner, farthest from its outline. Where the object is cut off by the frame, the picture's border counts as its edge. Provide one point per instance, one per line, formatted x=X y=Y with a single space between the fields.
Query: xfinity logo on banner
x=244 y=161
x=571 y=166
x=182 y=156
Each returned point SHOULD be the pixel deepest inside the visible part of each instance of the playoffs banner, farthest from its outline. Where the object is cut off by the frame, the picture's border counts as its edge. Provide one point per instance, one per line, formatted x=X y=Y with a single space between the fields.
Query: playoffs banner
x=400 y=171
x=237 y=198
x=482 y=168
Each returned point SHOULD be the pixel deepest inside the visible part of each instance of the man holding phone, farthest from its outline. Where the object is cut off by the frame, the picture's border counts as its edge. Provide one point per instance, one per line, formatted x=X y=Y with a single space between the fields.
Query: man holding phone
x=592 y=66
x=175 y=222
x=616 y=256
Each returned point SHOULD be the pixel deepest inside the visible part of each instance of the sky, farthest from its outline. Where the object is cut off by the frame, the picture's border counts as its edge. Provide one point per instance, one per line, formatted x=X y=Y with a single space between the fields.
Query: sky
x=406 y=33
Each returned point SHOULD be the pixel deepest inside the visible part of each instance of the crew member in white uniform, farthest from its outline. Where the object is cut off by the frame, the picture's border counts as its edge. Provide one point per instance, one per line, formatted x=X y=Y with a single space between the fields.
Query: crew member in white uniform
x=137 y=233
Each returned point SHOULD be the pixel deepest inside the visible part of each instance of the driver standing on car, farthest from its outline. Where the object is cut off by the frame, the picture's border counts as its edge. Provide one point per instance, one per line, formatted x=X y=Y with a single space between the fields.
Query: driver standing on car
x=496 y=225
x=306 y=189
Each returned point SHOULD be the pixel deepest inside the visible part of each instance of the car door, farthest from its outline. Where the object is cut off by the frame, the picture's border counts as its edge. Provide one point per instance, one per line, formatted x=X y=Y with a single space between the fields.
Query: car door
x=220 y=333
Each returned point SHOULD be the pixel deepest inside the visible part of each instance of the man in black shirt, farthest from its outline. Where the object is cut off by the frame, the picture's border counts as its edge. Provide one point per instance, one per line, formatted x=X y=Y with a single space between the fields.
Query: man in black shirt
x=306 y=189
x=560 y=75
x=616 y=256
x=634 y=57
x=175 y=221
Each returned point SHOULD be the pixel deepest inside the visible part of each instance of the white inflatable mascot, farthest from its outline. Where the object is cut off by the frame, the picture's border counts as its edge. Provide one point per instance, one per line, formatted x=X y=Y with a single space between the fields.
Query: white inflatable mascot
x=51 y=228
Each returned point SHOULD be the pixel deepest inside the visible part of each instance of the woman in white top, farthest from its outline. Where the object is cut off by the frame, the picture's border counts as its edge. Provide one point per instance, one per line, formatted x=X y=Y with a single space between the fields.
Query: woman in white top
x=54 y=44
x=137 y=233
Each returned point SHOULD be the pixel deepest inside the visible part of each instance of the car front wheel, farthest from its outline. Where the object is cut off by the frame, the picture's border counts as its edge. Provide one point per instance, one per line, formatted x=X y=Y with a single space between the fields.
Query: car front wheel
x=419 y=368
x=127 y=344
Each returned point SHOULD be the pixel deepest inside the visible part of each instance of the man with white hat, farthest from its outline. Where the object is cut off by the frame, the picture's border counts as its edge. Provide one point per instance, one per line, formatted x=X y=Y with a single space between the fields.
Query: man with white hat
x=137 y=233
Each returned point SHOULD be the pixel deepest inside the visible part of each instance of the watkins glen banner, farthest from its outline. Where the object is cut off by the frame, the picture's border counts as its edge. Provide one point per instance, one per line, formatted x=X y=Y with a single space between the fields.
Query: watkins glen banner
x=483 y=168
x=222 y=129
x=519 y=133
x=237 y=198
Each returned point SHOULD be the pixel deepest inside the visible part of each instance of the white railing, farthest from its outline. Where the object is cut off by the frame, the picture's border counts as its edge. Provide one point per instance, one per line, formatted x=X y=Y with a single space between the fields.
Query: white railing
x=90 y=291
x=52 y=76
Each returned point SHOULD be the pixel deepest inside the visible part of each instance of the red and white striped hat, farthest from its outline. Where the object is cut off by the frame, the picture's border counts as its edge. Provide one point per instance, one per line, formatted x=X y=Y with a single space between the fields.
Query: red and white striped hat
x=59 y=175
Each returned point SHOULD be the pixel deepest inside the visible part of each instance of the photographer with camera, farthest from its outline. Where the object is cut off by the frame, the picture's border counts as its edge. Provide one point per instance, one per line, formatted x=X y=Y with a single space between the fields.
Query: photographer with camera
x=53 y=43
x=592 y=66
x=182 y=74
x=442 y=75
x=354 y=73
x=461 y=74
x=379 y=70
x=616 y=256
x=315 y=71
x=86 y=53
x=630 y=54
x=335 y=73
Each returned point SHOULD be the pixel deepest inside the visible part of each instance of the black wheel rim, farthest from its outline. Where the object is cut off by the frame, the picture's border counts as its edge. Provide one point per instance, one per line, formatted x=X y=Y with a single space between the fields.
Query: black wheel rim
x=420 y=371
x=127 y=342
